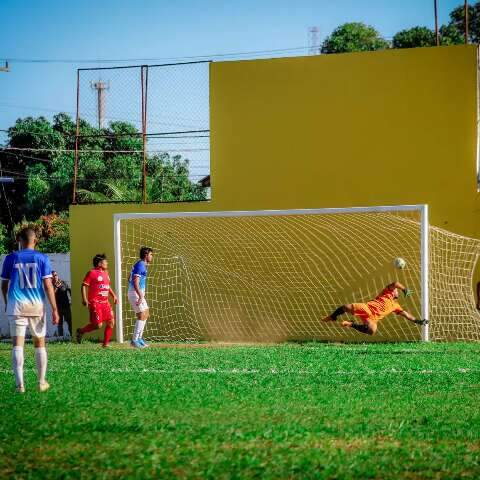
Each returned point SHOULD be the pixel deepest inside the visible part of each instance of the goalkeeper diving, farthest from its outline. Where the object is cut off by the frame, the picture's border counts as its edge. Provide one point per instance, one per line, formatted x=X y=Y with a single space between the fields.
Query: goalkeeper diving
x=372 y=312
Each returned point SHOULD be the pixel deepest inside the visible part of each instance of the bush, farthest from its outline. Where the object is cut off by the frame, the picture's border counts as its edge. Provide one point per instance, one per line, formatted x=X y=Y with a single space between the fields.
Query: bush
x=53 y=232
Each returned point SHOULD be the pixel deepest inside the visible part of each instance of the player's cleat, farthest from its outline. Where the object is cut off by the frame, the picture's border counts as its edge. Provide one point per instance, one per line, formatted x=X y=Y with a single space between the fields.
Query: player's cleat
x=79 y=336
x=43 y=387
x=136 y=344
x=421 y=322
x=328 y=319
x=106 y=345
x=141 y=341
x=20 y=389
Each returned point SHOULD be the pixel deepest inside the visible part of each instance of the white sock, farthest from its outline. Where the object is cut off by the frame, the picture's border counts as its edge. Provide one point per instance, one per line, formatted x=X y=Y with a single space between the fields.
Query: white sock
x=137 y=332
x=142 y=328
x=41 y=362
x=17 y=365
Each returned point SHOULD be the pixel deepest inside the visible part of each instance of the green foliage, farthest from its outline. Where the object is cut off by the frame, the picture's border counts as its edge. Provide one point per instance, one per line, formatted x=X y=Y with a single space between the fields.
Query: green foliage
x=354 y=37
x=414 y=37
x=4 y=239
x=52 y=232
x=385 y=411
x=168 y=180
x=110 y=166
x=457 y=22
x=450 y=35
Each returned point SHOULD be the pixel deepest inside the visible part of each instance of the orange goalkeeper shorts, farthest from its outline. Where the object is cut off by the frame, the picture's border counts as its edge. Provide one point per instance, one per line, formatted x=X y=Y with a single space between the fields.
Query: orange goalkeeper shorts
x=362 y=310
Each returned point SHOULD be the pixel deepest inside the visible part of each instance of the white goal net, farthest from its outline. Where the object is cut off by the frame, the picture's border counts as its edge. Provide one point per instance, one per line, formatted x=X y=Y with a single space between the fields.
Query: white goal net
x=269 y=276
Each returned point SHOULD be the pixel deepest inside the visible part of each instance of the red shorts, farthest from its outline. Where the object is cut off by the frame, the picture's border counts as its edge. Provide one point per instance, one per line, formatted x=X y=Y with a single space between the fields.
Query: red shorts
x=100 y=312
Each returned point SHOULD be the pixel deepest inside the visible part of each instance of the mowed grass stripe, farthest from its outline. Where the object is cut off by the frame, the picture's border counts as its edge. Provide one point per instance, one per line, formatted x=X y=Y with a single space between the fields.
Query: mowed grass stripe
x=370 y=411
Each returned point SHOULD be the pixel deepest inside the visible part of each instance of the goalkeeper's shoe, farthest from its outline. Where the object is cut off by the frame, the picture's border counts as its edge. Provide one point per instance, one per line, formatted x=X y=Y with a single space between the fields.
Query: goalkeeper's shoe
x=136 y=344
x=421 y=322
x=142 y=342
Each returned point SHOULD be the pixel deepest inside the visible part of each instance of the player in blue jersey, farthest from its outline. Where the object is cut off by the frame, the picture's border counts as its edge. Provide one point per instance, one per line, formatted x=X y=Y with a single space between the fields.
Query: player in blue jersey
x=26 y=280
x=137 y=284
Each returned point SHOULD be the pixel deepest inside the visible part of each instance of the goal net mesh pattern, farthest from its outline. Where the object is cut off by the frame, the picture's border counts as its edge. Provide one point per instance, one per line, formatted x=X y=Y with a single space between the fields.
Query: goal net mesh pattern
x=273 y=278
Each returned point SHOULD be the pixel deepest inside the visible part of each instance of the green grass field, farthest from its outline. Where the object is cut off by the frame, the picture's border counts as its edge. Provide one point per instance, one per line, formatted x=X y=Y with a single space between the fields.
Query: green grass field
x=291 y=411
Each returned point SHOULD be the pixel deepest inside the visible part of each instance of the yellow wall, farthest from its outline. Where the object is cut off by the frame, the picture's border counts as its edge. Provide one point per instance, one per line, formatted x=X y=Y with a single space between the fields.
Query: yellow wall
x=380 y=128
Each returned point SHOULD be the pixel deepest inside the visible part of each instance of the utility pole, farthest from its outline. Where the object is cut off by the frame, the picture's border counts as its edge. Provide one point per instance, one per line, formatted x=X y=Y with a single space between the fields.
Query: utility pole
x=100 y=87
x=313 y=43
x=466 y=21
x=6 y=68
x=437 y=36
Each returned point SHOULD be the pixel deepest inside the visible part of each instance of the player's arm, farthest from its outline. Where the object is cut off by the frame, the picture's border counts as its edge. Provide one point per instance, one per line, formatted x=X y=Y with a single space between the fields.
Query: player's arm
x=112 y=293
x=411 y=318
x=85 y=294
x=5 y=276
x=5 y=291
x=48 y=287
x=136 y=286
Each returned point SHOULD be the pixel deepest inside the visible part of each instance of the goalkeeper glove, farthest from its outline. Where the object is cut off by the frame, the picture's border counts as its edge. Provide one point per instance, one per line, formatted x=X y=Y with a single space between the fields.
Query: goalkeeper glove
x=407 y=292
x=421 y=322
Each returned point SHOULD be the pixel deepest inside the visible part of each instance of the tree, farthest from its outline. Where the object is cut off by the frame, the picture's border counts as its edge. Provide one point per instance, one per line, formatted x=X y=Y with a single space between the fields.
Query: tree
x=4 y=240
x=450 y=35
x=414 y=37
x=52 y=232
x=354 y=37
x=457 y=22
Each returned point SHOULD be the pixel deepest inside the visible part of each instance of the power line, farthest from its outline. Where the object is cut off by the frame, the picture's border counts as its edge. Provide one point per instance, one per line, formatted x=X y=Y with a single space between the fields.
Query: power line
x=164 y=59
x=185 y=134
x=81 y=151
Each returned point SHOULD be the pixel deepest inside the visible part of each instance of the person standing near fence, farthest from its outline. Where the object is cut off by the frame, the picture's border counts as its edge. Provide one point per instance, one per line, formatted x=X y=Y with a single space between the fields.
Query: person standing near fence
x=26 y=280
x=63 y=295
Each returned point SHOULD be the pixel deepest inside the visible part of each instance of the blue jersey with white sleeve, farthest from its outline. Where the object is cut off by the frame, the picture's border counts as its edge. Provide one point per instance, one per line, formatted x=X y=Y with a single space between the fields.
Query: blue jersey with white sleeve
x=25 y=270
x=138 y=270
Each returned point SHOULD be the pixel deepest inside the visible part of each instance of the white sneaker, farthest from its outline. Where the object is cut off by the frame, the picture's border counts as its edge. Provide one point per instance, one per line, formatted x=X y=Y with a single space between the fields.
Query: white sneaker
x=43 y=387
x=20 y=389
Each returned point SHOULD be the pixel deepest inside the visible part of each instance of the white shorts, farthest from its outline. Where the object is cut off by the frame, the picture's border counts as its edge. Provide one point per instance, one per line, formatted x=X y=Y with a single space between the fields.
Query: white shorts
x=133 y=299
x=18 y=326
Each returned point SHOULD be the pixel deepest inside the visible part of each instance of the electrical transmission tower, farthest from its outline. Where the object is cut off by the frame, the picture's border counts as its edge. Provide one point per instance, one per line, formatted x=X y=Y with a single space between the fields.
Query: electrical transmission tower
x=100 y=87
x=313 y=41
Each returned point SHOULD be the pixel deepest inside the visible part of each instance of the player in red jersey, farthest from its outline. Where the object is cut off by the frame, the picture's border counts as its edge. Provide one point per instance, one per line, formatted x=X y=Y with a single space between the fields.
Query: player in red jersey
x=97 y=282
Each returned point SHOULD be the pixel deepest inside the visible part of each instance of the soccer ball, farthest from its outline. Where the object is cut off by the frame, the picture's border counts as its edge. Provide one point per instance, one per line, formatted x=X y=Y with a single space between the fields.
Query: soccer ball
x=399 y=263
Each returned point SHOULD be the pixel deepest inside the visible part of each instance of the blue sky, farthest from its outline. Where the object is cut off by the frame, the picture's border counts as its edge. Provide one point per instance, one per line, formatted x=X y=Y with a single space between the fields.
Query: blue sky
x=140 y=29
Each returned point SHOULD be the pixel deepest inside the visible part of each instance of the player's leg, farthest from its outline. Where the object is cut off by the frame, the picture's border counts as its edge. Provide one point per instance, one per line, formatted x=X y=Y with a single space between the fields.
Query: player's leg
x=108 y=317
x=38 y=328
x=68 y=319
x=368 y=326
x=348 y=308
x=91 y=326
x=144 y=317
x=18 y=327
x=141 y=313
x=60 y=323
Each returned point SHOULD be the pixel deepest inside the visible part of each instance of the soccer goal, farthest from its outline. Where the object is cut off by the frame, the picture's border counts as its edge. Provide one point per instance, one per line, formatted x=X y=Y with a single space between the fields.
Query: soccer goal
x=269 y=276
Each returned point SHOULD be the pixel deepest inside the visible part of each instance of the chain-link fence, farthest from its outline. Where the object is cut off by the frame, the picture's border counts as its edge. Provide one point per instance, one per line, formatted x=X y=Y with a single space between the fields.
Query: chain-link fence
x=142 y=134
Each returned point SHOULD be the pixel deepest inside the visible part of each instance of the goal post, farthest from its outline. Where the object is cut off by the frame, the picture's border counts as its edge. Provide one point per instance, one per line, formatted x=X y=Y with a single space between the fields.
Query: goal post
x=233 y=275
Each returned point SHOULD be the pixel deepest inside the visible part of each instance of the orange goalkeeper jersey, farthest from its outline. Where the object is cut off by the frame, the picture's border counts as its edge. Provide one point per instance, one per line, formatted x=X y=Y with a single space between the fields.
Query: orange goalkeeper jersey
x=378 y=308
